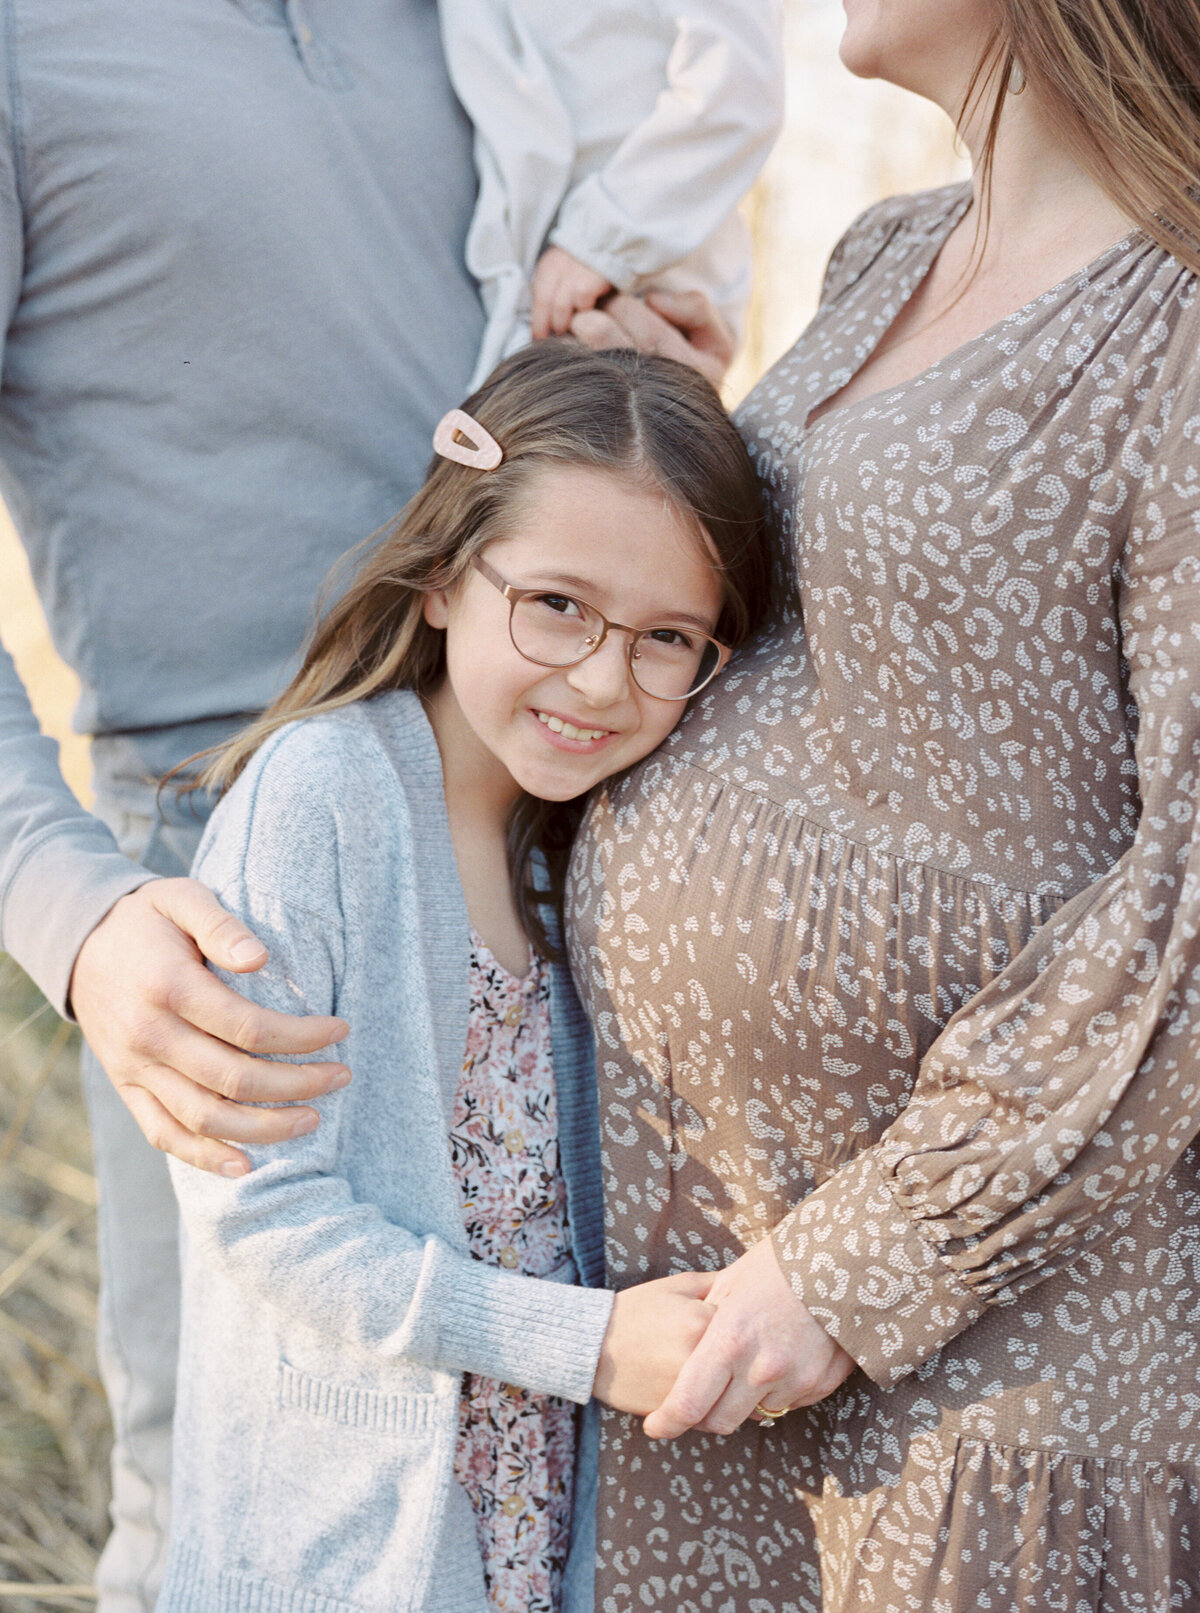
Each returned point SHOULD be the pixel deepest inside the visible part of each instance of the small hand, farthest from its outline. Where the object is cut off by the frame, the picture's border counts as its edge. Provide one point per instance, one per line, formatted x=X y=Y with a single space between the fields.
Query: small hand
x=761 y=1348
x=171 y=1035
x=562 y=287
x=652 y=1331
x=680 y=325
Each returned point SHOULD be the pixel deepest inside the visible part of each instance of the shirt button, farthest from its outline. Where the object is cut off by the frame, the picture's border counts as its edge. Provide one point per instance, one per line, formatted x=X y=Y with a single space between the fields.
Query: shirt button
x=511 y=1505
x=509 y=1258
x=514 y=1141
x=305 y=34
x=515 y=1014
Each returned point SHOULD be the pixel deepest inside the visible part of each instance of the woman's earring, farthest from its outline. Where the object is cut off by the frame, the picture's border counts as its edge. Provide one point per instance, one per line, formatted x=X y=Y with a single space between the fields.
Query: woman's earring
x=1016 y=76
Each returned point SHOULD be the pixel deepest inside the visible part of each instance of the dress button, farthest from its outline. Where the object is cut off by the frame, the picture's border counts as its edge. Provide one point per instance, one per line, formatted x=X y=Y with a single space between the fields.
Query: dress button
x=514 y=1141
x=511 y=1505
x=509 y=1258
x=514 y=1015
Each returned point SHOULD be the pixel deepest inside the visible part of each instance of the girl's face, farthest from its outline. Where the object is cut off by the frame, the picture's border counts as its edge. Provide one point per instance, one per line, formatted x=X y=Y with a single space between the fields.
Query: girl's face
x=931 y=47
x=618 y=546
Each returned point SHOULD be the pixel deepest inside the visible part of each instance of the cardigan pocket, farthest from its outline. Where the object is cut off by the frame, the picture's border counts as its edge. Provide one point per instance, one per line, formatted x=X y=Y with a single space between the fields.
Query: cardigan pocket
x=354 y=1407
x=345 y=1497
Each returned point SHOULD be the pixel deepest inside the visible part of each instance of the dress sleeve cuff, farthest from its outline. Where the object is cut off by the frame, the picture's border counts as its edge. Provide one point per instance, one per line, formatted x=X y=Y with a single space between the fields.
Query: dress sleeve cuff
x=59 y=893
x=870 y=1276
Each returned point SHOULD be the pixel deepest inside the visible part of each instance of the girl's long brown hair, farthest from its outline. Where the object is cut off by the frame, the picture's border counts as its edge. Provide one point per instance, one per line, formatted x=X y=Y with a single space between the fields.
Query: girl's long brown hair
x=648 y=420
x=1120 y=79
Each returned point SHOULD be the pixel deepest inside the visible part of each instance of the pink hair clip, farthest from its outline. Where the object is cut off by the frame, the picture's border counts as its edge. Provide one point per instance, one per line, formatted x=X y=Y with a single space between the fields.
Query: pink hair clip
x=481 y=451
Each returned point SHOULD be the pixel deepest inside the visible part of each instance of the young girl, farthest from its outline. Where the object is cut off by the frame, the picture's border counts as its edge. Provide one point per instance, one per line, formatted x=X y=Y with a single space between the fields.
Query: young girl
x=383 y=1350
x=613 y=142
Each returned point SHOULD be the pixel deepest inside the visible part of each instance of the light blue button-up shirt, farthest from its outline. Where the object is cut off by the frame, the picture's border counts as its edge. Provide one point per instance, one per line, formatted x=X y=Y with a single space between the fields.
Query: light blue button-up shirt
x=231 y=277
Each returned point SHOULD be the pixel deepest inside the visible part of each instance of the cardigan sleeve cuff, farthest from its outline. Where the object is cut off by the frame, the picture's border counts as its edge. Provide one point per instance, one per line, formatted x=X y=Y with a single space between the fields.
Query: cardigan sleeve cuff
x=545 y=1336
x=870 y=1276
x=55 y=899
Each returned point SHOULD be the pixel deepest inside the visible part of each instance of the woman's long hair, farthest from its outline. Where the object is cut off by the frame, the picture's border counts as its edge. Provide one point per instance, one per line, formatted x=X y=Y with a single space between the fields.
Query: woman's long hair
x=649 y=420
x=1120 y=80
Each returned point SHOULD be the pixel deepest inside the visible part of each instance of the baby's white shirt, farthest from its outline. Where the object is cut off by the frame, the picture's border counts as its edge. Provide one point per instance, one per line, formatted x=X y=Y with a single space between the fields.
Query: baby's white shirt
x=624 y=131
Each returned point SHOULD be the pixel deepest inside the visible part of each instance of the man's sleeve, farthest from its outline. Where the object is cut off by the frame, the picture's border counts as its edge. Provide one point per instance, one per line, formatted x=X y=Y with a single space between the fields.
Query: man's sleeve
x=60 y=870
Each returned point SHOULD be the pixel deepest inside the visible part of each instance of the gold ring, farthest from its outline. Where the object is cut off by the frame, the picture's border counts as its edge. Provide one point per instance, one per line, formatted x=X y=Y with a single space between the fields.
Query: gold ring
x=768 y=1417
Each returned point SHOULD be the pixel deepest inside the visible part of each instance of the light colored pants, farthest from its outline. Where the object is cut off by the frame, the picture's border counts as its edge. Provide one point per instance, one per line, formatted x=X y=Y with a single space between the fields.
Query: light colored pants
x=138 y=1334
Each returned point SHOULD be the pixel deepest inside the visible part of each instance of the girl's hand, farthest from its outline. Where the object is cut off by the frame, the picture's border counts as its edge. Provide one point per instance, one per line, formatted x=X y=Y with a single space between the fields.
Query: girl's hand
x=652 y=1331
x=682 y=325
x=562 y=287
x=177 y=1044
x=761 y=1348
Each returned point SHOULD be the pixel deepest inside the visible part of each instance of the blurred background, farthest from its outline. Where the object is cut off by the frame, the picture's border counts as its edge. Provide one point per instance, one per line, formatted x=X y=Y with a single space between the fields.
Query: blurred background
x=846 y=144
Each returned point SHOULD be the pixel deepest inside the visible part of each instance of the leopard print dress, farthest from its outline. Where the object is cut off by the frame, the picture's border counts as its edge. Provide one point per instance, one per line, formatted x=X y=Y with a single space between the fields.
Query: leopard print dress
x=892 y=953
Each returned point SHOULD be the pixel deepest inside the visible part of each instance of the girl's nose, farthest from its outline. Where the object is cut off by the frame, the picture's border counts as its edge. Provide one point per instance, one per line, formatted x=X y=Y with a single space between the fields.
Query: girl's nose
x=603 y=679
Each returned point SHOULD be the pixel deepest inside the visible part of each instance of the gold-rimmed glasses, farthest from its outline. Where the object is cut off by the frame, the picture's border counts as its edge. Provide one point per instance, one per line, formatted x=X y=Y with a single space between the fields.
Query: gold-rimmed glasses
x=551 y=628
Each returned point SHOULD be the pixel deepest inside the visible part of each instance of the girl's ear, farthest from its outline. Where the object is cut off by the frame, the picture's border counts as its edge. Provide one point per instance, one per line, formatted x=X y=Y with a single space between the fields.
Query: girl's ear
x=436 y=608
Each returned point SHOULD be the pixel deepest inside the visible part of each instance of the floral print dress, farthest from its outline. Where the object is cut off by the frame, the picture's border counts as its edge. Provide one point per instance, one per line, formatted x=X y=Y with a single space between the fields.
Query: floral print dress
x=516 y=1449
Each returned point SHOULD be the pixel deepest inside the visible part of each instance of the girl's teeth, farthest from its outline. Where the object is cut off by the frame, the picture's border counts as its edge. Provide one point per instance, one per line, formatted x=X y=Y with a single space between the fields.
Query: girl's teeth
x=568 y=729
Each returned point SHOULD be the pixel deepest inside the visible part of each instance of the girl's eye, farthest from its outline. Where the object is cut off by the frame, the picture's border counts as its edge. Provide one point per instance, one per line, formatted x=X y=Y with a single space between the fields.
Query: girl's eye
x=672 y=638
x=560 y=604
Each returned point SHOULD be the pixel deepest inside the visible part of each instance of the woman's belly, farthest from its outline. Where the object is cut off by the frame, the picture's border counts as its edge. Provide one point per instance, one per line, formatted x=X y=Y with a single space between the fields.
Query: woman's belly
x=762 y=992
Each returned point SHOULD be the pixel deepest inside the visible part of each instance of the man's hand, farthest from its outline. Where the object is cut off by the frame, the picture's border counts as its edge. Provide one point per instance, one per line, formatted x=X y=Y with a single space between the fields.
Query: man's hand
x=562 y=287
x=177 y=1044
x=761 y=1348
x=681 y=325
x=652 y=1331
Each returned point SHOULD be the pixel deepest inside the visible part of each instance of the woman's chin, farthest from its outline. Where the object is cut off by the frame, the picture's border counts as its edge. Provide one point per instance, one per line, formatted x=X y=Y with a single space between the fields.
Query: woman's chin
x=857 y=57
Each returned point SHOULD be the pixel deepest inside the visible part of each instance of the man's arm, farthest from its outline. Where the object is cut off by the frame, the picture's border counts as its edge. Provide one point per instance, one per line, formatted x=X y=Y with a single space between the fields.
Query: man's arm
x=60 y=870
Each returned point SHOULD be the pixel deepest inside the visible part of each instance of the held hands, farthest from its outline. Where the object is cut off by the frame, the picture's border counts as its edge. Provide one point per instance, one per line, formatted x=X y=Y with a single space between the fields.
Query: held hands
x=682 y=325
x=177 y=1044
x=652 y=1331
x=762 y=1348
x=755 y=1344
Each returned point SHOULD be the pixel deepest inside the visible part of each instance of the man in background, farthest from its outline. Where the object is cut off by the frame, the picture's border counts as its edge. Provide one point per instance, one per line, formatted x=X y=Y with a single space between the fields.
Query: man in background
x=231 y=265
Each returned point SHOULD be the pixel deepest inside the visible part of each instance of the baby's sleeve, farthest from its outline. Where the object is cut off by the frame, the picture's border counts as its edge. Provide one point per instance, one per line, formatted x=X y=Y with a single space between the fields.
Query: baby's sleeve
x=677 y=176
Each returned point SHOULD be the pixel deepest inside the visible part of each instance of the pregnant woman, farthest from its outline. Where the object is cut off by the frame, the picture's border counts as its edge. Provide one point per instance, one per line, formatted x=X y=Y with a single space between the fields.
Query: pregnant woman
x=892 y=950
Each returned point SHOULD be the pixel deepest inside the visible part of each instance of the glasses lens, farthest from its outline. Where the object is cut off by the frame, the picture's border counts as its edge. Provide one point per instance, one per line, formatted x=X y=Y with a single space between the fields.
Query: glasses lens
x=554 y=629
x=673 y=664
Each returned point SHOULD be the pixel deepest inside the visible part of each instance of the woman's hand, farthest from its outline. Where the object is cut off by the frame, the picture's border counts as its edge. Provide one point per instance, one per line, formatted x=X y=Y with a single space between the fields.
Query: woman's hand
x=761 y=1348
x=652 y=1331
x=171 y=1036
x=681 y=325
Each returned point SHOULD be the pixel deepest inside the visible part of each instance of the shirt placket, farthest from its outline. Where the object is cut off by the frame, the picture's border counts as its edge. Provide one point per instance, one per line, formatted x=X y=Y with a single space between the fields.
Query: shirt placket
x=321 y=62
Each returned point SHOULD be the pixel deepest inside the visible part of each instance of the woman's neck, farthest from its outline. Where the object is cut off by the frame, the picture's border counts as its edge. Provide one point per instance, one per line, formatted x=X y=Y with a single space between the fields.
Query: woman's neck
x=1039 y=220
x=1039 y=200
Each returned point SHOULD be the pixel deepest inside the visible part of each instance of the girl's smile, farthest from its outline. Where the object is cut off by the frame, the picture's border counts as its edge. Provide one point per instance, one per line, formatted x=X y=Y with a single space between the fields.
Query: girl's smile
x=506 y=724
x=568 y=733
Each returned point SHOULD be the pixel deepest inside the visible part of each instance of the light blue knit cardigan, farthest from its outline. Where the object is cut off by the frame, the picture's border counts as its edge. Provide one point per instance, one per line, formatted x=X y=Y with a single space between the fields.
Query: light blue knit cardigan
x=330 y=1304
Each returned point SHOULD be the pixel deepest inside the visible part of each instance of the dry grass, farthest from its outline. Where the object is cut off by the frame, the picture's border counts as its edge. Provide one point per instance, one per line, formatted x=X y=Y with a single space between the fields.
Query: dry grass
x=54 y=1431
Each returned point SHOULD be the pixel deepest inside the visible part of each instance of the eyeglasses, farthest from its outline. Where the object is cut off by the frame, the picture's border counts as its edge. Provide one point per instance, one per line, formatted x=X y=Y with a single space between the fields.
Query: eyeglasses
x=555 y=629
